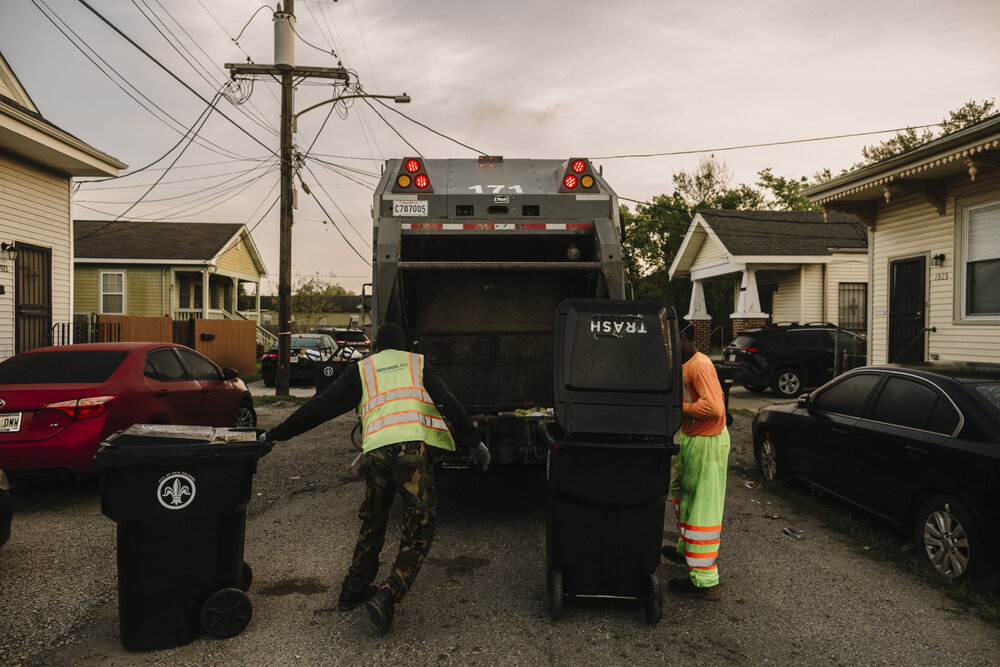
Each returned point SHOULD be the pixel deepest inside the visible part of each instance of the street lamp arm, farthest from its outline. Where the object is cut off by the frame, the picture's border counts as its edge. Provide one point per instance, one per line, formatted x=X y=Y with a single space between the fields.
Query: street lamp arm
x=399 y=99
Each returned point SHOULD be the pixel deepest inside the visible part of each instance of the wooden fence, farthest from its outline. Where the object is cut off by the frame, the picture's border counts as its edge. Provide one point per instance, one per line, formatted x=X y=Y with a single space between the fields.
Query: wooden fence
x=229 y=343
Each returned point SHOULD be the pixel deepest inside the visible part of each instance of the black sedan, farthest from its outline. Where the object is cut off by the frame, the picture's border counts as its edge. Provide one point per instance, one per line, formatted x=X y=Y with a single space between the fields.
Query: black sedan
x=917 y=446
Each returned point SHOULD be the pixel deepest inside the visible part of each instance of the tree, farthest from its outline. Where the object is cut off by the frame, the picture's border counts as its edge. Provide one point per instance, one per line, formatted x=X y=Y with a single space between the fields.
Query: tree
x=968 y=114
x=312 y=297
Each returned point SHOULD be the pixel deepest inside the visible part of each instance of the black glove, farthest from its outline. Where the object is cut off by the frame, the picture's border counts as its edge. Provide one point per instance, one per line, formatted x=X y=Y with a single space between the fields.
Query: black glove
x=480 y=456
x=263 y=438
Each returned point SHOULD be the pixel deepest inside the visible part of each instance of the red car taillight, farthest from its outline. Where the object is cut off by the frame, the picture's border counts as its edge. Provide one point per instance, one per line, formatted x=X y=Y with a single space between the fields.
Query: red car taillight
x=270 y=355
x=84 y=408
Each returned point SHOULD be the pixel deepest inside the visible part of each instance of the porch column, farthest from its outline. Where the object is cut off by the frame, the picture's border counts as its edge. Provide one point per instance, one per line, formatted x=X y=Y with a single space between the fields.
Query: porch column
x=205 y=292
x=748 y=314
x=699 y=318
x=236 y=296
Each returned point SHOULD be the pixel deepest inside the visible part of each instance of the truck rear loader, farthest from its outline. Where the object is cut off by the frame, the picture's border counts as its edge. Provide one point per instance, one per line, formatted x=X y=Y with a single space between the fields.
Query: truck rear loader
x=472 y=257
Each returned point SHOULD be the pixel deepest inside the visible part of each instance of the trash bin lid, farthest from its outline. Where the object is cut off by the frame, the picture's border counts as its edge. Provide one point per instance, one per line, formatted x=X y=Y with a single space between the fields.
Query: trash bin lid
x=616 y=368
x=154 y=444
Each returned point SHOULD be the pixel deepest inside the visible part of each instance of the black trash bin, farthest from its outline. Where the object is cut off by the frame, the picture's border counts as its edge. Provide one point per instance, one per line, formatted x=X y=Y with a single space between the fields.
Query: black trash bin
x=327 y=372
x=179 y=496
x=617 y=406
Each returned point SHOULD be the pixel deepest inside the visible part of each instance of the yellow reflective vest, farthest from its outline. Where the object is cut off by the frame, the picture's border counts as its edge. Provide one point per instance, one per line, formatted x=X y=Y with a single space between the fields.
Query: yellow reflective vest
x=394 y=406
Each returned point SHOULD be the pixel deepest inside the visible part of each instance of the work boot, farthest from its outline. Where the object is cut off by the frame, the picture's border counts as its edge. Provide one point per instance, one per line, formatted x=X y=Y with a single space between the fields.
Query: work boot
x=683 y=586
x=351 y=599
x=669 y=552
x=380 y=610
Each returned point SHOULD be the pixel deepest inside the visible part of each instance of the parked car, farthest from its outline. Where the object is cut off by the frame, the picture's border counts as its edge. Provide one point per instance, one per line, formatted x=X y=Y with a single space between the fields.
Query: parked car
x=306 y=351
x=58 y=403
x=6 y=509
x=917 y=446
x=349 y=337
x=789 y=358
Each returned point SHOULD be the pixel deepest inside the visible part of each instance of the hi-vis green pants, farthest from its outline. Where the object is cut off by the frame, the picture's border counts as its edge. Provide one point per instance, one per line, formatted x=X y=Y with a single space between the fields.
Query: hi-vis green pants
x=699 y=493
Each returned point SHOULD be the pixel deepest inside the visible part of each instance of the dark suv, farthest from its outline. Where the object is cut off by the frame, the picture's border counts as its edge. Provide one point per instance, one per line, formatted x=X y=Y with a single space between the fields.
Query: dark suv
x=791 y=357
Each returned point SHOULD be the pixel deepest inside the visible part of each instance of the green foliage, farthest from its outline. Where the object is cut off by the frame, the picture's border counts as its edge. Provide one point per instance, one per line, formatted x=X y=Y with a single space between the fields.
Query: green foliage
x=968 y=114
x=655 y=231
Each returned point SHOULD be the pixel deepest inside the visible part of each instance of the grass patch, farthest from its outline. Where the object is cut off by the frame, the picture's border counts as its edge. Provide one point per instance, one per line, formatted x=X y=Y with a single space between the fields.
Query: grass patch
x=873 y=539
x=268 y=400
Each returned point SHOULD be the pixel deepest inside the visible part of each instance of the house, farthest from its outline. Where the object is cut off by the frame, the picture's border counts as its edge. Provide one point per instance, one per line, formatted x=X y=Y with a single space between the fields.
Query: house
x=786 y=266
x=933 y=219
x=38 y=162
x=164 y=269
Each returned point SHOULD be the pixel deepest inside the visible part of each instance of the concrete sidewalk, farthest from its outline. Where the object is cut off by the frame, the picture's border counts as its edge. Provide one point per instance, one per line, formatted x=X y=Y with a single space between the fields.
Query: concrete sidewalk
x=257 y=388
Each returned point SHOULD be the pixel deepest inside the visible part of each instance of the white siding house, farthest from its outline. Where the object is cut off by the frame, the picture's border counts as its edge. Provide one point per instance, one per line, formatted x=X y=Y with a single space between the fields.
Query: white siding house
x=933 y=215
x=37 y=164
x=786 y=266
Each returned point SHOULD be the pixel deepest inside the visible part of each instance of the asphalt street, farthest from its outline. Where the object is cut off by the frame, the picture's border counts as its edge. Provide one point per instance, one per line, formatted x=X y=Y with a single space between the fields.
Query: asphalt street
x=480 y=598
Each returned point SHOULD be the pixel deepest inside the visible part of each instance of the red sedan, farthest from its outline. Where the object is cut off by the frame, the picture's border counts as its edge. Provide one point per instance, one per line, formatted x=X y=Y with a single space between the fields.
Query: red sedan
x=58 y=403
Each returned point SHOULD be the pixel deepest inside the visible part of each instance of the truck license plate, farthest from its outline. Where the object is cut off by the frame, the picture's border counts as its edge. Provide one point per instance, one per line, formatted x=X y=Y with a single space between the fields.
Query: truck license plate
x=10 y=421
x=410 y=209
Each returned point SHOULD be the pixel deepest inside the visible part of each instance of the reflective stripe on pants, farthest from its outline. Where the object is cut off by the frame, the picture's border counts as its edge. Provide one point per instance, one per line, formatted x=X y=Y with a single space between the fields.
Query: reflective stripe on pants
x=699 y=493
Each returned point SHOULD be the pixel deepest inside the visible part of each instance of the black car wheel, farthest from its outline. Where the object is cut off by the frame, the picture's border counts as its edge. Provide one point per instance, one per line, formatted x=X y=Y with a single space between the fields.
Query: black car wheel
x=946 y=537
x=787 y=382
x=268 y=380
x=769 y=461
x=246 y=416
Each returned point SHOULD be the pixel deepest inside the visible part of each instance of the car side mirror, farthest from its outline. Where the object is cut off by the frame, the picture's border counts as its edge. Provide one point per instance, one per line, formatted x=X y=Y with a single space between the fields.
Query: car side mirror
x=230 y=374
x=805 y=401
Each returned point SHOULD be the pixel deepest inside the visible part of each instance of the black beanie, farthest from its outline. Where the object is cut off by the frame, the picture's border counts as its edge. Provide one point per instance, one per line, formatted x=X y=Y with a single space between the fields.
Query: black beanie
x=390 y=336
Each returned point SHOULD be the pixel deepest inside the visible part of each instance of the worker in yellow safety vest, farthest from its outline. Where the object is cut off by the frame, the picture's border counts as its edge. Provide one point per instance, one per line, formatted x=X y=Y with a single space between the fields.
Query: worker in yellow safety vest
x=397 y=395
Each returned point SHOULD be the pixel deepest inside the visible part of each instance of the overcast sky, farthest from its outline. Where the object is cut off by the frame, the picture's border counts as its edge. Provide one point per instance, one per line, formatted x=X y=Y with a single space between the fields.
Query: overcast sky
x=520 y=78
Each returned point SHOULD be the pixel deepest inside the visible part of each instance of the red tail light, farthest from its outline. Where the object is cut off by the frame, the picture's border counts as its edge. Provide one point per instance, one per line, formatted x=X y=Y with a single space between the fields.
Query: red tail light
x=421 y=181
x=270 y=355
x=579 y=166
x=84 y=408
x=570 y=181
x=412 y=166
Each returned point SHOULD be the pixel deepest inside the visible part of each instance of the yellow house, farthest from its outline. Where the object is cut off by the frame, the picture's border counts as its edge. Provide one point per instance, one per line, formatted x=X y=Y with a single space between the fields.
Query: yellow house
x=164 y=269
x=37 y=164
x=786 y=266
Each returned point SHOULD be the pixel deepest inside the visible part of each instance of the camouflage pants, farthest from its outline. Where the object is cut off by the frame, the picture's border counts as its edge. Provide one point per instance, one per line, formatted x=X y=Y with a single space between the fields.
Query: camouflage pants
x=405 y=467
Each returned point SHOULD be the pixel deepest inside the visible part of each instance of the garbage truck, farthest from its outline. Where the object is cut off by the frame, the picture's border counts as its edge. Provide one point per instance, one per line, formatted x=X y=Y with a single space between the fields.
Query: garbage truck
x=472 y=258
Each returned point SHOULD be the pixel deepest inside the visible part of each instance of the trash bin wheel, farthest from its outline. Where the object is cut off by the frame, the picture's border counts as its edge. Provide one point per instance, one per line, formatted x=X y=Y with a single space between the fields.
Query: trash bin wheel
x=226 y=612
x=555 y=594
x=246 y=577
x=652 y=606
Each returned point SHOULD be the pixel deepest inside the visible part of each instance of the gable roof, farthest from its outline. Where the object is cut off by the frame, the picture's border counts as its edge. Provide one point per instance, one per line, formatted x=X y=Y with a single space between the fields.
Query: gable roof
x=778 y=236
x=158 y=242
x=785 y=232
x=24 y=132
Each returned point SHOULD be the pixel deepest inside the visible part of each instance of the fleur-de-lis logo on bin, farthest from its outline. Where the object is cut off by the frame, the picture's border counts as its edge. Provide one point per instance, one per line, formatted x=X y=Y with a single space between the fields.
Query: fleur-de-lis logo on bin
x=176 y=490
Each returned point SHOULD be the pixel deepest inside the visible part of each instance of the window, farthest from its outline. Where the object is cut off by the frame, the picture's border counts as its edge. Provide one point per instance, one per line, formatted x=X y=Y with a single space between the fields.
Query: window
x=981 y=271
x=847 y=397
x=913 y=404
x=165 y=366
x=200 y=367
x=852 y=309
x=112 y=293
x=57 y=367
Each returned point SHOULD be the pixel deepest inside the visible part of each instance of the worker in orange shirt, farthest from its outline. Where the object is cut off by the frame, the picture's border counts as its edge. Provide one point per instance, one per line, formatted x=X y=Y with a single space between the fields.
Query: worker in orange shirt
x=699 y=484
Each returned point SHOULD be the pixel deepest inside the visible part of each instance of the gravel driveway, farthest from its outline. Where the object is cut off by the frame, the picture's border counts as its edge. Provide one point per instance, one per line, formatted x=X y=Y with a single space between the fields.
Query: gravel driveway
x=480 y=599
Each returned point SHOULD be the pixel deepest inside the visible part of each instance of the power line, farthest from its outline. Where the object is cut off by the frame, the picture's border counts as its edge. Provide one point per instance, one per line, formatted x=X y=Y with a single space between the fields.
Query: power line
x=341 y=211
x=430 y=129
x=762 y=145
x=171 y=73
x=384 y=120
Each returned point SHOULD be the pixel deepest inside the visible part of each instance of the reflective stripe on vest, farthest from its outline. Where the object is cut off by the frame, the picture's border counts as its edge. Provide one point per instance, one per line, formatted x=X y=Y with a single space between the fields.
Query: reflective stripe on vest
x=394 y=405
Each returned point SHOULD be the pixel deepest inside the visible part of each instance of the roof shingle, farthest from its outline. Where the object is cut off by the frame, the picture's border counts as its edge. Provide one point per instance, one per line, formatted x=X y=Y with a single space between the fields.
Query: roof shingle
x=198 y=241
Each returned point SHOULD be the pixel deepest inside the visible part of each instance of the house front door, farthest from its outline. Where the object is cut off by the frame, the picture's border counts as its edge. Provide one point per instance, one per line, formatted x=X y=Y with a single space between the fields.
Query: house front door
x=907 y=310
x=33 y=301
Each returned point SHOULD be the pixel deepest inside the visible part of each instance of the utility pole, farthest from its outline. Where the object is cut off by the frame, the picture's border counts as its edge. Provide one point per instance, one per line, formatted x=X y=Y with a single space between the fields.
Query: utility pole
x=285 y=68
